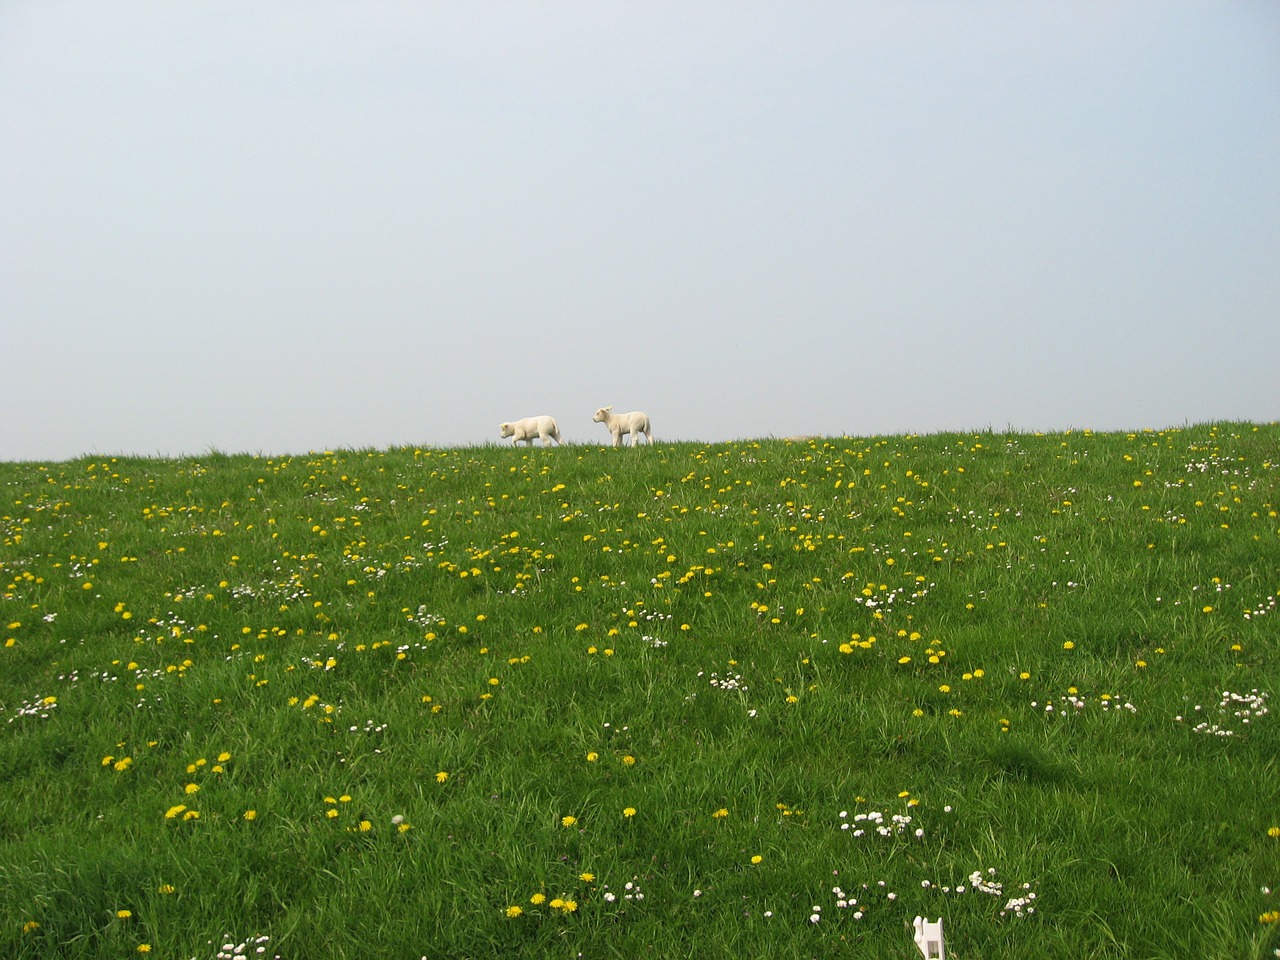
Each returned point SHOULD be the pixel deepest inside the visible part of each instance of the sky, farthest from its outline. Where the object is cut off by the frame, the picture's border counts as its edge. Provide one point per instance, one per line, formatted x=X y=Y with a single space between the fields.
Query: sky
x=277 y=227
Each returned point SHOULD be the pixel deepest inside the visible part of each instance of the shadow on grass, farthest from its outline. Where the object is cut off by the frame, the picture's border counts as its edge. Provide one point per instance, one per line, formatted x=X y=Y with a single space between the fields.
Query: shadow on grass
x=1022 y=763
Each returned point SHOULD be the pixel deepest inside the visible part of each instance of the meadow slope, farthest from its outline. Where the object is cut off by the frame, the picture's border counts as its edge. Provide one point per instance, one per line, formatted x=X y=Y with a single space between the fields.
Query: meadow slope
x=749 y=699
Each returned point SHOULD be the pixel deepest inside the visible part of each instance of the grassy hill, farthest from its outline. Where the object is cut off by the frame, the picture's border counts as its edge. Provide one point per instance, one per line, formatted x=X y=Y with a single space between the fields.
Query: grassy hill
x=751 y=699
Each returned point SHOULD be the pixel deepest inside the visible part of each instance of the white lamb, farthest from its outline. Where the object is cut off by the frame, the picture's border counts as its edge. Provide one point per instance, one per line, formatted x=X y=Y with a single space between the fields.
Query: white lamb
x=634 y=423
x=530 y=427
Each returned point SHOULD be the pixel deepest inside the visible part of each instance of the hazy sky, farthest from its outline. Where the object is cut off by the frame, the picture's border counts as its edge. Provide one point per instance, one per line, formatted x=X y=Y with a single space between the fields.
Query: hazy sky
x=275 y=227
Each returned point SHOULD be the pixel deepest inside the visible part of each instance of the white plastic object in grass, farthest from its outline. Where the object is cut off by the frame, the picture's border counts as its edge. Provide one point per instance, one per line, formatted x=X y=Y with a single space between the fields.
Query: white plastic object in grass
x=929 y=938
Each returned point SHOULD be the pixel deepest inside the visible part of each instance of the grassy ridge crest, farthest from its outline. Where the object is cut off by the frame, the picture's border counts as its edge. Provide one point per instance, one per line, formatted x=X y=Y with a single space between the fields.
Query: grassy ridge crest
x=763 y=698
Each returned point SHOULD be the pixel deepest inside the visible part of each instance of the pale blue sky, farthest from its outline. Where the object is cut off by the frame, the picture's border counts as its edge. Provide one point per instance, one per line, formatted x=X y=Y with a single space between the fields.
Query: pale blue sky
x=283 y=226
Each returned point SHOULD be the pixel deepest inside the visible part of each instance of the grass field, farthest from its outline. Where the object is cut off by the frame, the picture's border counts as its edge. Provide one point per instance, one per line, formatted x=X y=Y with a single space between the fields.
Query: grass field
x=754 y=699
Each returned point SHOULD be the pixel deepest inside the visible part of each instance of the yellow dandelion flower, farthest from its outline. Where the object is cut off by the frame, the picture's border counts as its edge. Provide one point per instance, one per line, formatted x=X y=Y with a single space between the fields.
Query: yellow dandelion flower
x=538 y=898
x=586 y=877
x=568 y=821
x=224 y=757
x=251 y=814
x=569 y=906
x=124 y=914
x=757 y=858
x=144 y=948
x=174 y=811
x=1068 y=645
x=165 y=888
x=191 y=788
x=515 y=910
x=1273 y=831
x=592 y=757
x=331 y=813
x=629 y=760
x=442 y=776
x=629 y=811
x=556 y=903
x=720 y=814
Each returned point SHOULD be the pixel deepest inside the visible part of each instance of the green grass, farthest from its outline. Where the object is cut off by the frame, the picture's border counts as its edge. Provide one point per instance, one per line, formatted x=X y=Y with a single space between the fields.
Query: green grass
x=1010 y=639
